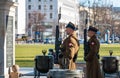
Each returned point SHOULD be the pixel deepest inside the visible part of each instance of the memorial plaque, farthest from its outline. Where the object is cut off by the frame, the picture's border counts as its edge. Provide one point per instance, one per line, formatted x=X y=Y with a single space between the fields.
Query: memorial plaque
x=9 y=41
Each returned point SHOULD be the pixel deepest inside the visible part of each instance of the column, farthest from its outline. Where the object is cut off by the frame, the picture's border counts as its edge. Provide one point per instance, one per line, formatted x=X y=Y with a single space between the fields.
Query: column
x=7 y=36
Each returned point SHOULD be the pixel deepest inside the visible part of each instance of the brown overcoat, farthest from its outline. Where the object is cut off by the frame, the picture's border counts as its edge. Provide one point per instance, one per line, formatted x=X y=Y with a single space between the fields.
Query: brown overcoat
x=71 y=47
x=92 y=63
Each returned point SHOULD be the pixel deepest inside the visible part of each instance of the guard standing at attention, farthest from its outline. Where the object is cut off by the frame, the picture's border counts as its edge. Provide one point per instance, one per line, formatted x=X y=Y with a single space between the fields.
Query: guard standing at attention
x=92 y=58
x=69 y=49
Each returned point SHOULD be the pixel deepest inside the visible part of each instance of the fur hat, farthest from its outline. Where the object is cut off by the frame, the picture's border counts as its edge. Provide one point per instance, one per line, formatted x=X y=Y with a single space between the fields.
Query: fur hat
x=92 y=29
x=71 y=25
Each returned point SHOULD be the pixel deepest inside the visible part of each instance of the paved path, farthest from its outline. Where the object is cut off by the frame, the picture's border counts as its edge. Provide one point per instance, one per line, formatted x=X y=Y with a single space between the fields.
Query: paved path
x=28 y=72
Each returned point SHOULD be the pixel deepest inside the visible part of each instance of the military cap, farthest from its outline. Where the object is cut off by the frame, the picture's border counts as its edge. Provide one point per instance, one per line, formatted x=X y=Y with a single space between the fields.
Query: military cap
x=71 y=25
x=92 y=29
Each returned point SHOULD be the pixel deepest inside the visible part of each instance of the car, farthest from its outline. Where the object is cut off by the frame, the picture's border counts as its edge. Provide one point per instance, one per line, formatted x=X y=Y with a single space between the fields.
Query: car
x=102 y=40
x=81 y=41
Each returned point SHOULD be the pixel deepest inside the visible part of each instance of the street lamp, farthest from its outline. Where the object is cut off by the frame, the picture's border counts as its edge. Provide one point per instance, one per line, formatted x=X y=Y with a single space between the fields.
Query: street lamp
x=31 y=31
x=112 y=24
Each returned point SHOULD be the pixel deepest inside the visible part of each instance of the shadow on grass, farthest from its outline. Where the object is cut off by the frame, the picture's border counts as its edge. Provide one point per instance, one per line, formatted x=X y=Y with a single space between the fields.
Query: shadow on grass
x=25 y=63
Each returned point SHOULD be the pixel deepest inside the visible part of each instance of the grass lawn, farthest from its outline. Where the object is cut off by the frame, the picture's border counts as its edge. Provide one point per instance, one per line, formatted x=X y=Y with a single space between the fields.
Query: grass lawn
x=25 y=54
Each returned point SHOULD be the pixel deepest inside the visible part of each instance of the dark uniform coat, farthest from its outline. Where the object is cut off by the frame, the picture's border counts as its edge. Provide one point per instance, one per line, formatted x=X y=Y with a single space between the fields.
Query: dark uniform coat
x=92 y=61
x=70 y=46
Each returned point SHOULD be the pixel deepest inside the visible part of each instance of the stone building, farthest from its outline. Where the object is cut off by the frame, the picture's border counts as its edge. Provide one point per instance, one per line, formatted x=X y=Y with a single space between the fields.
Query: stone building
x=68 y=9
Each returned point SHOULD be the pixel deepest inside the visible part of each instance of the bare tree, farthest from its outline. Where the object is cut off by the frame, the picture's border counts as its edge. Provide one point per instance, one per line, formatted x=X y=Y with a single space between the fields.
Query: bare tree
x=36 y=21
x=102 y=18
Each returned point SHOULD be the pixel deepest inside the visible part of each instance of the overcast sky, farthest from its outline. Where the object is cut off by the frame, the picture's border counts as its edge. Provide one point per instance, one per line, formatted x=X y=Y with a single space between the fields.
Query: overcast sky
x=116 y=3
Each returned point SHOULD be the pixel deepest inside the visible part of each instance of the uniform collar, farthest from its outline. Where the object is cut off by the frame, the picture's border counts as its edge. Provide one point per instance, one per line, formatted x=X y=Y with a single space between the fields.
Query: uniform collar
x=72 y=34
x=94 y=36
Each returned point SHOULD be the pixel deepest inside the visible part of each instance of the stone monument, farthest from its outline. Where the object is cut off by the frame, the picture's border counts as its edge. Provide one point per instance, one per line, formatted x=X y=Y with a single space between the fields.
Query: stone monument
x=7 y=36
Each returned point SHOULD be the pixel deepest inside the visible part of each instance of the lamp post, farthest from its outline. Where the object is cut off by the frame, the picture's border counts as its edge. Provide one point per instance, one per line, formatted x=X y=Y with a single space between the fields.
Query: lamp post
x=112 y=24
x=31 y=31
x=59 y=15
x=89 y=13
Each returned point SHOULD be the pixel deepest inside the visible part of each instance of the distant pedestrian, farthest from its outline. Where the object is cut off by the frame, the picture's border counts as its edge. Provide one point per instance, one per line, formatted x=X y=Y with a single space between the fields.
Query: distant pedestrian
x=69 y=49
x=92 y=58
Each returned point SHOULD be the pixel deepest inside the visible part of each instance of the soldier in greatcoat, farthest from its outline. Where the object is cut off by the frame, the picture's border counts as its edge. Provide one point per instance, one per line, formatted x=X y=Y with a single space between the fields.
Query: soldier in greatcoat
x=92 y=58
x=69 y=49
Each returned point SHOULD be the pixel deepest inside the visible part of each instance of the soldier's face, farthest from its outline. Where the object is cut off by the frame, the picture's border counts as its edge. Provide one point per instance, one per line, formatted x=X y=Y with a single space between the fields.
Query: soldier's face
x=68 y=30
x=91 y=33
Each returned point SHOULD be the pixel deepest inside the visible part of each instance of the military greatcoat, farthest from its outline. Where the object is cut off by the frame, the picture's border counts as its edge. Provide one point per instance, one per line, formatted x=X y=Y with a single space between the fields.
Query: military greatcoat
x=71 y=47
x=92 y=61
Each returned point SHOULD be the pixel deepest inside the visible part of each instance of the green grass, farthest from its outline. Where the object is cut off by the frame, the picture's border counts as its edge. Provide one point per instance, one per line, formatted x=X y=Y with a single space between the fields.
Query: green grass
x=25 y=54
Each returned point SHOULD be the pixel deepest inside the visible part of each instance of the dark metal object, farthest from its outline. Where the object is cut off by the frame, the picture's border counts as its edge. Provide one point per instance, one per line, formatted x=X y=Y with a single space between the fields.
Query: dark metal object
x=110 y=52
x=57 y=39
x=44 y=52
x=85 y=33
x=110 y=65
x=43 y=64
x=85 y=39
x=85 y=43
x=57 y=45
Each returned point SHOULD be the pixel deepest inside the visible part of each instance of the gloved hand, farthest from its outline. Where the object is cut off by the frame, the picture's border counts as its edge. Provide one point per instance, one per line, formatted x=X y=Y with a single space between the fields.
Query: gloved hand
x=62 y=49
x=98 y=56
x=60 y=55
x=85 y=59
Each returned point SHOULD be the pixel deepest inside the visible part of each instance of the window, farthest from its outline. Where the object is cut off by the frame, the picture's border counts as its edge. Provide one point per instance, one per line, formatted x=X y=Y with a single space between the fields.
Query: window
x=29 y=0
x=45 y=7
x=29 y=15
x=29 y=7
x=45 y=0
x=51 y=15
x=39 y=7
x=16 y=0
x=51 y=7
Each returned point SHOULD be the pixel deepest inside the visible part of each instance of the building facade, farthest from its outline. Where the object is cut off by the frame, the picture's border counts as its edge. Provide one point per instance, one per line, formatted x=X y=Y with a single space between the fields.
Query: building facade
x=20 y=17
x=69 y=10
x=50 y=9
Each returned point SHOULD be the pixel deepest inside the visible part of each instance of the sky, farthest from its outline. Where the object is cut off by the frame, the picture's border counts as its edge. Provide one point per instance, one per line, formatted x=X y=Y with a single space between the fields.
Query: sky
x=116 y=3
